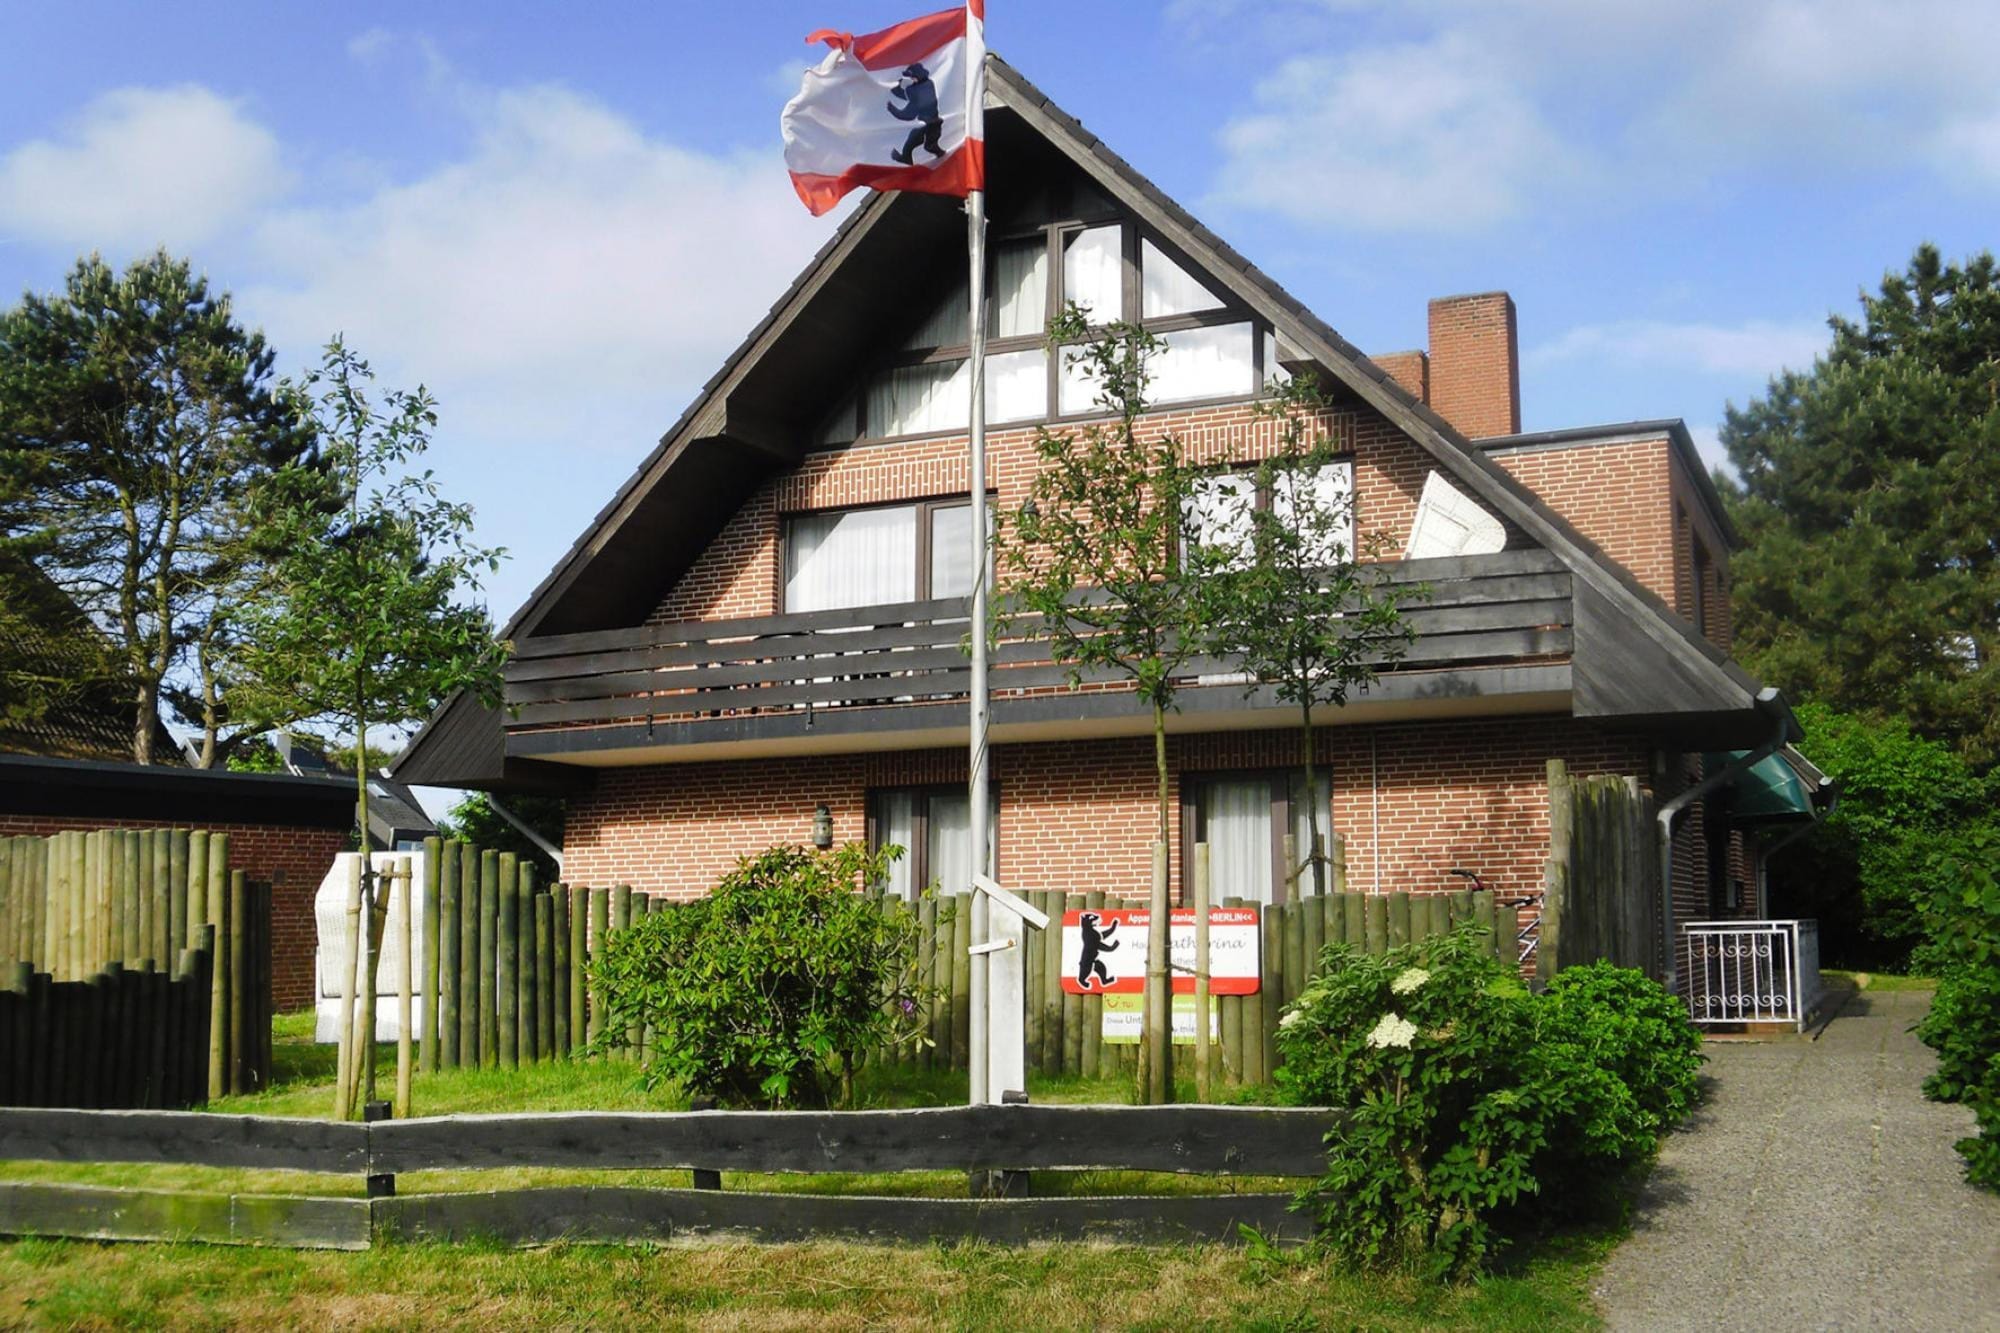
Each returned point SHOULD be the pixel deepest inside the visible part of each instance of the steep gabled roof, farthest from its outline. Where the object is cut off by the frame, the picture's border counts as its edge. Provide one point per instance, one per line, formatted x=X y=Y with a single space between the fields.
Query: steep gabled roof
x=1636 y=660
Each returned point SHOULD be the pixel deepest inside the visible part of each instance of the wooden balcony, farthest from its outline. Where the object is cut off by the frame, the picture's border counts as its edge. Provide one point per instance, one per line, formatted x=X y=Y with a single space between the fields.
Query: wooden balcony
x=896 y=675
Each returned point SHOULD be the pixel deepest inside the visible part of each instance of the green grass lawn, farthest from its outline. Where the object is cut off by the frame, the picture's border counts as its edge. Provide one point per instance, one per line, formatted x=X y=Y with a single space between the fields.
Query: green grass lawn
x=821 y=1286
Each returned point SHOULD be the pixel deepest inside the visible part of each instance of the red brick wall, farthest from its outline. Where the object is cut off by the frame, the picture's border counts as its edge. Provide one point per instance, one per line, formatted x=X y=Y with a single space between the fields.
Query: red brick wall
x=1412 y=800
x=293 y=859
x=1617 y=495
x=1475 y=360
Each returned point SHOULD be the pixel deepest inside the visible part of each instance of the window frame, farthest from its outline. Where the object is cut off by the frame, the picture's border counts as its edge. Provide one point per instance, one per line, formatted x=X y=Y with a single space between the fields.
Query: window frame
x=917 y=856
x=924 y=509
x=1281 y=816
x=1228 y=310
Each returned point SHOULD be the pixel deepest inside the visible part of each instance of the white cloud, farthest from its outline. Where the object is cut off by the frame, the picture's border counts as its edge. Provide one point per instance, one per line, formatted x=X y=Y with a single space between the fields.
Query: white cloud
x=1467 y=105
x=1427 y=136
x=141 y=167
x=569 y=274
x=1755 y=347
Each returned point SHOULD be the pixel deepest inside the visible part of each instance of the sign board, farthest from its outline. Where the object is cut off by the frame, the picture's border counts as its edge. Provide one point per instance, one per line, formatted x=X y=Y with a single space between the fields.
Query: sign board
x=1124 y=1020
x=1104 y=951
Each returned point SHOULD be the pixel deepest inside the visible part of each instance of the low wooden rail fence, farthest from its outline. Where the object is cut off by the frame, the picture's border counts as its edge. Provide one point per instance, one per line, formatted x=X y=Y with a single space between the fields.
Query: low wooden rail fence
x=1222 y=1141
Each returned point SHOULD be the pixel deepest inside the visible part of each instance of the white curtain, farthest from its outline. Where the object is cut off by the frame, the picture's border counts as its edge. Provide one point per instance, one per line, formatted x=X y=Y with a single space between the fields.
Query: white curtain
x=951 y=551
x=912 y=400
x=1216 y=361
x=1017 y=385
x=1166 y=288
x=1094 y=272
x=896 y=823
x=1020 y=291
x=1237 y=820
x=862 y=557
x=949 y=848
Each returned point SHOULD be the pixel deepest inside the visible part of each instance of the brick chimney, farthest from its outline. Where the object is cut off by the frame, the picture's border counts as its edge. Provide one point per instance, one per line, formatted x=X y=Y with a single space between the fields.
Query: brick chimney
x=1475 y=364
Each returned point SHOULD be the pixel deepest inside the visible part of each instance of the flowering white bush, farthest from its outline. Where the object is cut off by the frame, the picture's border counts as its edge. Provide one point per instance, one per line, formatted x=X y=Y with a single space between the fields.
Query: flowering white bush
x=1393 y=1030
x=1408 y=980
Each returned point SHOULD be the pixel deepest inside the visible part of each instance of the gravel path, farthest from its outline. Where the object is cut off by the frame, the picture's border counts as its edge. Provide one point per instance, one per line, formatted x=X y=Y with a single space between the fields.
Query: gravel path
x=1815 y=1189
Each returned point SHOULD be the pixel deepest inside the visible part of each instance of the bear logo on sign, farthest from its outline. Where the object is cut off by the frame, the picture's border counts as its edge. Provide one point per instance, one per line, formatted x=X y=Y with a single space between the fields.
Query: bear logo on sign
x=1095 y=943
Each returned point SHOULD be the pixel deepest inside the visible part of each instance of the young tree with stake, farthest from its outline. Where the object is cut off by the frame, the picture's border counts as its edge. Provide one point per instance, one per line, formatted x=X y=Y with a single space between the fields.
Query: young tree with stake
x=1096 y=562
x=1297 y=597
x=363 y=623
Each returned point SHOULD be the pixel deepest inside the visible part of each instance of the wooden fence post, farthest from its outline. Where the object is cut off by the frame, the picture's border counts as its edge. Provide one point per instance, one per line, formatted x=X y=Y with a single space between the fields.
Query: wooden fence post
x=444 y=1005
x=507 y=959
x=433 y=906
x=489 y=948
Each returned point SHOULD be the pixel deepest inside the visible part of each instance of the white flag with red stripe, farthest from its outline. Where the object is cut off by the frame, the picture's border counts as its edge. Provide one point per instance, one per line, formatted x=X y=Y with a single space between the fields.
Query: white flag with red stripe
x=899 y=109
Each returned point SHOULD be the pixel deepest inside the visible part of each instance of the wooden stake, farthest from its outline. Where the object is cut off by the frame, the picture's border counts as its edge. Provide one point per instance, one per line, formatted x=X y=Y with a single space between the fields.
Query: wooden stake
x=1204 y=1073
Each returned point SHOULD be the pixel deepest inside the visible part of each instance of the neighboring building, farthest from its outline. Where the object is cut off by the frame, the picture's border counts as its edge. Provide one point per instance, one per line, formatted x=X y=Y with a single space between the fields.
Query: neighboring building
x=50 y=650
x=765 y=618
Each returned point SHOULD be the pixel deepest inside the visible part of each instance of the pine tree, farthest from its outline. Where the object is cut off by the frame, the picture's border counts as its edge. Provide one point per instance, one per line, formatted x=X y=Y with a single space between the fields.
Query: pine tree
x=138 y=419
x=1869 y=505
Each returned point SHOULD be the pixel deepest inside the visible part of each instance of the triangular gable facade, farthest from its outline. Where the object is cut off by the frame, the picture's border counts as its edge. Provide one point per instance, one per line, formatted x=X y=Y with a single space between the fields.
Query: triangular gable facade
x=780 y=399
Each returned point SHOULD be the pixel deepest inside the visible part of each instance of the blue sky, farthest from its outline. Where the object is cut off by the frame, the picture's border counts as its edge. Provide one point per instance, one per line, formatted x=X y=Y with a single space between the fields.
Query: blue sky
x=561 y=218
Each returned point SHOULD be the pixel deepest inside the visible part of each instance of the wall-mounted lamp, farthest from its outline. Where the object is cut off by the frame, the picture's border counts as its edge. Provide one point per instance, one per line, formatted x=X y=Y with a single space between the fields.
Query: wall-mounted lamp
x=822 y=827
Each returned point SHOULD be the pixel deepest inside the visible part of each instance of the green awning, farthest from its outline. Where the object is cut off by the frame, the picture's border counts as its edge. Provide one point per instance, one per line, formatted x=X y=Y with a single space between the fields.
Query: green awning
x=1774 y=790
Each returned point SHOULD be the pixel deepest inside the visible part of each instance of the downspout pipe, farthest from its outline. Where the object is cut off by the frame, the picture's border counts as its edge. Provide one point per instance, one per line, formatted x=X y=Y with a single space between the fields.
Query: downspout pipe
x=1769 y=701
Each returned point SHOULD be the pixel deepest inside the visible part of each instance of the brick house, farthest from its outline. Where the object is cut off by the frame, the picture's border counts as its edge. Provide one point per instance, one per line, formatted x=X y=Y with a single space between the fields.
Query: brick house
x=763 y=622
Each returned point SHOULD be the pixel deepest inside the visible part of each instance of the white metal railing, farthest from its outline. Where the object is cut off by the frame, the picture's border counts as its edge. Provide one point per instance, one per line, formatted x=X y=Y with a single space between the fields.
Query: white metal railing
x=1752 y=971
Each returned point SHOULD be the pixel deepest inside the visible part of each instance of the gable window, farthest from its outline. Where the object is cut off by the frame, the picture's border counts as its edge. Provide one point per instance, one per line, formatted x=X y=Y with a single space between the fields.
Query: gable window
x=933 y=826
x=1244 y=818
x=878 y=556
x=1212 y=350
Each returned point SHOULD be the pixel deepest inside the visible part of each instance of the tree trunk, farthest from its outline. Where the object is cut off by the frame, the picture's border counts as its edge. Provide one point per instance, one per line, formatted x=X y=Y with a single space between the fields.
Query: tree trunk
x=145 y=721
x=1158 y=1050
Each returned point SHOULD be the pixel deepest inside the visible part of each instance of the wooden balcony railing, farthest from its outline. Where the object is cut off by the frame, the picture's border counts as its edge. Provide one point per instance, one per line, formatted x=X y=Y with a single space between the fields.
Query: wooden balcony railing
x=1482 y=610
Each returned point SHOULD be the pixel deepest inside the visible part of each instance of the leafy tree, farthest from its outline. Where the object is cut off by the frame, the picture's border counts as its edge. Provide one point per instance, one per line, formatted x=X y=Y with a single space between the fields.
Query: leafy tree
x=138 y=423
x=476 y=821
x=1869 y=504
x=1302 y=605
x=1867 y=871
x=364 y=621
x=1096 y=561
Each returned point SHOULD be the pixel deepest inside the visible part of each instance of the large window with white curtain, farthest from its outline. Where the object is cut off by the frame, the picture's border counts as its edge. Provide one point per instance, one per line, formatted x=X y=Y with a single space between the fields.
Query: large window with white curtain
x=1244 y=818
x=1212 y=350
x=933 y=826
x=879 y=555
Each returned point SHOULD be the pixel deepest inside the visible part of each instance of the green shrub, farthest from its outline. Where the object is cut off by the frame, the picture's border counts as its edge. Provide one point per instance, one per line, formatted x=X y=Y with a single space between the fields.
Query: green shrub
x=771 y=990
x=1467 y=1097
x=1963 y=1025
x=1619 y=1064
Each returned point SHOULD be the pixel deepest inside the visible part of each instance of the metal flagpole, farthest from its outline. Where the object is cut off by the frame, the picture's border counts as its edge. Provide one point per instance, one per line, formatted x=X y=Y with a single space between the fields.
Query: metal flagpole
x=977 y=784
